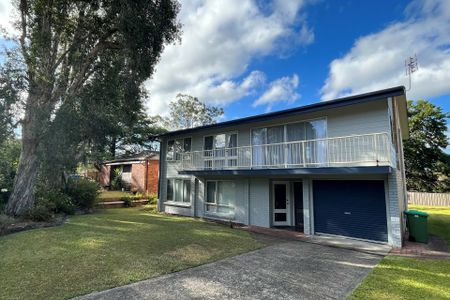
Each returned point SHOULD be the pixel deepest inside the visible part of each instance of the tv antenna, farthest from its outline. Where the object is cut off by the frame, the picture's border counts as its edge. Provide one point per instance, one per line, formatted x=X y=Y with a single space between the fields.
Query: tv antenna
x=411 y=66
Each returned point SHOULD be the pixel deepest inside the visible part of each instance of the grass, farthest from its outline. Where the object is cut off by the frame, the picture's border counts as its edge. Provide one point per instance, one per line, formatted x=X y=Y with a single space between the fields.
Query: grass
x=411 y=278
x=438 y=221
x=108 y=249
x=112 y=195
x=406 y=278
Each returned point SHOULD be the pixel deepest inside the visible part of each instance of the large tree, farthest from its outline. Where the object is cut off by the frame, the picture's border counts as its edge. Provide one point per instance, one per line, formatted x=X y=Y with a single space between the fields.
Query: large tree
x=425 y=160
x=188 y=112
x=63 y=43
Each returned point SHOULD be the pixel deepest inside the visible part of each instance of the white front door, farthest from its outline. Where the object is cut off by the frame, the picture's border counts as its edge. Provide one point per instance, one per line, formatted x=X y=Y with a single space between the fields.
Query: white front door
x=281 y=203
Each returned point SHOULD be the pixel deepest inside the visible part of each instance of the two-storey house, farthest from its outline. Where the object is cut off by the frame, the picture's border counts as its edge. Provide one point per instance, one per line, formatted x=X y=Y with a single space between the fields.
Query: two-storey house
x=334 y=167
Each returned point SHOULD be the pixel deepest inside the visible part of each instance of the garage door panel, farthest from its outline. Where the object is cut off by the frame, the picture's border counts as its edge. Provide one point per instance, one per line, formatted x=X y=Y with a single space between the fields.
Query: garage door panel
x=354 y=208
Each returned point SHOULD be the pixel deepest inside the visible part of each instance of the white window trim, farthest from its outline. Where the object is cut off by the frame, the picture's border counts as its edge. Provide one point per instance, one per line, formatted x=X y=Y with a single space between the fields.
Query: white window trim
x=285 y=128
x=179 y=203
x=181 y=140
x=216 y=134
x=225 y=215
x=226 y=159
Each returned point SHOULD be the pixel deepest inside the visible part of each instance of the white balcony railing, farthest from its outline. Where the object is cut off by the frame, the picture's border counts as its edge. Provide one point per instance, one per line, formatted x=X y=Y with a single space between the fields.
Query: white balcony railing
x=349 y=151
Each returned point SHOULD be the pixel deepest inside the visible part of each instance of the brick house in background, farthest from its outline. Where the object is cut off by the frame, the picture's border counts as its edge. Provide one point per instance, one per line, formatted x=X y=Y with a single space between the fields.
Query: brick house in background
x=139 y=173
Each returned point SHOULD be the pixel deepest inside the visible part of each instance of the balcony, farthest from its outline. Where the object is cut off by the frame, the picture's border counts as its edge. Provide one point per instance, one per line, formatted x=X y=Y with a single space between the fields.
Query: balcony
x=349 y=151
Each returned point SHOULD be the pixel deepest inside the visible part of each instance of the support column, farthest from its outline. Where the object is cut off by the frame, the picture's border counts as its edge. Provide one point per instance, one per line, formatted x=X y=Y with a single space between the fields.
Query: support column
x=308 y=218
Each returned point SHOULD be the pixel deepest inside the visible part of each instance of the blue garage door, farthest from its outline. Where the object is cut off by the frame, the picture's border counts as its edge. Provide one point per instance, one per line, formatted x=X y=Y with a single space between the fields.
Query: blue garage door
x=354 y=208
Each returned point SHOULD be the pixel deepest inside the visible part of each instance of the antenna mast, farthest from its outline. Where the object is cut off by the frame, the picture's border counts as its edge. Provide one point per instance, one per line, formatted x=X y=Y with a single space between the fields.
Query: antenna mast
x=411 y=66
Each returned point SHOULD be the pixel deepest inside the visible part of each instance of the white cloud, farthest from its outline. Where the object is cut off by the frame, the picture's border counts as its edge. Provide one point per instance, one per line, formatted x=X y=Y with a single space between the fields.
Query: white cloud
x=281 y=90
x=377 y=60
x=6 y=14
x=220 y=39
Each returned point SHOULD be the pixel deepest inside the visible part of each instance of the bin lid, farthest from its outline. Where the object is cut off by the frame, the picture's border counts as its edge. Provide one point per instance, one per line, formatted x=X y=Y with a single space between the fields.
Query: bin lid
x=416 y=212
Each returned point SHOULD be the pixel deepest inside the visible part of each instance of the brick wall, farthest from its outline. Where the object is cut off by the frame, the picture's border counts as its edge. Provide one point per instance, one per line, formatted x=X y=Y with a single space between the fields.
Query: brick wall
x=104 y=175
x=138 y=177
x=152 y=176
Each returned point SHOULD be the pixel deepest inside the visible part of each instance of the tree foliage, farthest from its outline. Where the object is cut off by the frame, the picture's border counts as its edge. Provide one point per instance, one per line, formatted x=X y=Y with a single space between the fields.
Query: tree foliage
x=188 y=112
x=65 y=44
x=426 y=164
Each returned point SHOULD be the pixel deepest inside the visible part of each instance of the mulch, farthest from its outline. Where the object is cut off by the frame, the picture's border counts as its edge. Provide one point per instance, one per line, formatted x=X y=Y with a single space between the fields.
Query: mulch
x=22 y=225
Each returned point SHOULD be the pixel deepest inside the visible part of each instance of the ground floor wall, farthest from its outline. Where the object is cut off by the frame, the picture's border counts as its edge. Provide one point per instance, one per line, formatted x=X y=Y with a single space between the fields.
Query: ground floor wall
x=253 y=202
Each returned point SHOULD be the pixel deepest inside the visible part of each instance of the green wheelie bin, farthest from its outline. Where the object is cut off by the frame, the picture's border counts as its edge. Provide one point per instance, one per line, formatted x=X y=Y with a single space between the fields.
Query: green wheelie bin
x=417 y=222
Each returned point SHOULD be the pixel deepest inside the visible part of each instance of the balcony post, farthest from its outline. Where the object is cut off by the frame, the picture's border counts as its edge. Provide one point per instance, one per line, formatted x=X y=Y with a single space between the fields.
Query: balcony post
x=376 y=148
x=251 y=156
x=303 y=154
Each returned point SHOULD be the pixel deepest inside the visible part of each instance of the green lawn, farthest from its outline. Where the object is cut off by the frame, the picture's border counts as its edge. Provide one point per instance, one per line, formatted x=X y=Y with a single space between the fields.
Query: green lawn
x=108 y=249
x=438 y=221
x=410 y=278
x=112 y=195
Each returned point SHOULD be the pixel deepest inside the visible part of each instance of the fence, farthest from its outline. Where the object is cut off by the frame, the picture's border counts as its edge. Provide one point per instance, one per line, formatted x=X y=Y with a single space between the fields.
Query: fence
x=433 y=199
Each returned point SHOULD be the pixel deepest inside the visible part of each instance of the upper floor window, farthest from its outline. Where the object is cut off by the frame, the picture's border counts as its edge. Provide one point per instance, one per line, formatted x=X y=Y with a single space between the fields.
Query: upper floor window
x=176 y=148
x=220 y=150
x=220 y=141
x=272 y=146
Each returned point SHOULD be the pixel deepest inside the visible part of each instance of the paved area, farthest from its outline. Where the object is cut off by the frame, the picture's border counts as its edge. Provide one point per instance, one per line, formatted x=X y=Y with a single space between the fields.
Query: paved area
x=328 y=240
x=437 y=247
x=283 y=270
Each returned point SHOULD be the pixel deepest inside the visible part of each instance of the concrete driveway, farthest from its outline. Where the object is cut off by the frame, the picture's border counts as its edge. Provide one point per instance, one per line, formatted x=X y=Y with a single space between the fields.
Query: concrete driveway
x=283 y=270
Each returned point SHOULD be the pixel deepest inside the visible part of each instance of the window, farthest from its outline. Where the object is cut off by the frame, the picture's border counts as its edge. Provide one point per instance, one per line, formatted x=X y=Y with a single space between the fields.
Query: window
x=268 y=148
x=176 y=148
x=221 y=149
x=126 y=169
x=179 y=190
x=220 y=197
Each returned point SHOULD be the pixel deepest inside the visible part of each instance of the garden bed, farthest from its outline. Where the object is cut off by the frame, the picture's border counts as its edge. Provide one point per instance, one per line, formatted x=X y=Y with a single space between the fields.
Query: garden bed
x=22 y=225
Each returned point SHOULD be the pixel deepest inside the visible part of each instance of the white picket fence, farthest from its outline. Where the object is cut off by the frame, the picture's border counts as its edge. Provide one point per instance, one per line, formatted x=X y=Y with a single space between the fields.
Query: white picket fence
x=432 y=199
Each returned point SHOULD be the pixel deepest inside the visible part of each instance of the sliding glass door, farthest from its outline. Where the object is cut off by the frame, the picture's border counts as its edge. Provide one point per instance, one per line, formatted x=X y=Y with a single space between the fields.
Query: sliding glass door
x=290 y=145
x=220 y=151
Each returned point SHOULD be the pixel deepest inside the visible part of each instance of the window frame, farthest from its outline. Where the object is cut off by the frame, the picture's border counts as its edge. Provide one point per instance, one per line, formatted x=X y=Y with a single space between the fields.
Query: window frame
x=230 y=207
x=229 y=158
x=325 y=118
x=184 y=182
x=177 y=156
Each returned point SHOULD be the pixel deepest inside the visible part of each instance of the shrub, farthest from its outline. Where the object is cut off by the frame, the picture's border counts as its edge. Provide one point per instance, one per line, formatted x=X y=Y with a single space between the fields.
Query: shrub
x=4 y=196
x=56 y=201
x=39 y=213
x=152 y=199
x=5 y=221
x=83 y=192
x=116 y=182
x=128 y=201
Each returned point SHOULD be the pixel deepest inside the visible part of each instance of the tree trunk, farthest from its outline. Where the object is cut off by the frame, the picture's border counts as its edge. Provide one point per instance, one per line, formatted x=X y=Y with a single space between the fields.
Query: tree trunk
x=112 y=147
x=22 y=196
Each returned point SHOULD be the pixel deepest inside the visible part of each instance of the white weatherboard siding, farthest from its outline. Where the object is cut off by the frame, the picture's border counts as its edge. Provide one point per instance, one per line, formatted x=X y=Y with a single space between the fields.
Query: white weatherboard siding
x=366 y=118
x=358 y=119
x=253 y=194
x=259 y=202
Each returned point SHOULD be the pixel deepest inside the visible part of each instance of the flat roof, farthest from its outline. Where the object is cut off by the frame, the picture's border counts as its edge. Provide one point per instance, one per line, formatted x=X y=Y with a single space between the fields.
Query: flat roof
x=361 y=98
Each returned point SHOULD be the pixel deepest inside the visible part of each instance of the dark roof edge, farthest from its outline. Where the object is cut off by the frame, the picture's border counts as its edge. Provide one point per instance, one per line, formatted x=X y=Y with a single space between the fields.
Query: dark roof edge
x=296 y=171
x=371 y=96
x=151 y=156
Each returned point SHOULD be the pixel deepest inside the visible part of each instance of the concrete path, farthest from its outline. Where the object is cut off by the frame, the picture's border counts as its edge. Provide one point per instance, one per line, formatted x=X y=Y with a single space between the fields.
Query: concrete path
x=283 y=270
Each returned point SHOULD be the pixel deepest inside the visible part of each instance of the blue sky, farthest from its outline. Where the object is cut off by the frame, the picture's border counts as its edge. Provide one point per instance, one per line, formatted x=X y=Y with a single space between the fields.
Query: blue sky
x=254 y=56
